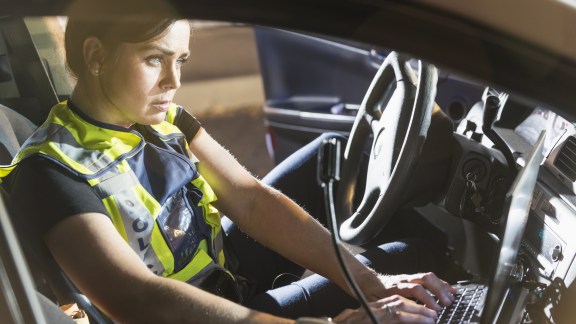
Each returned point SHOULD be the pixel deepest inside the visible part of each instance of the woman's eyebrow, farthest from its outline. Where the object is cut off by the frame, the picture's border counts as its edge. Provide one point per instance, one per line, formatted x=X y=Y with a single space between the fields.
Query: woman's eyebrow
x=163 y=50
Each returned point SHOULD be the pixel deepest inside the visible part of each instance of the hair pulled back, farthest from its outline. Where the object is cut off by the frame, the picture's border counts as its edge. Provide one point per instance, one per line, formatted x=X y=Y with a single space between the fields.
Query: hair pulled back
x=111 y=32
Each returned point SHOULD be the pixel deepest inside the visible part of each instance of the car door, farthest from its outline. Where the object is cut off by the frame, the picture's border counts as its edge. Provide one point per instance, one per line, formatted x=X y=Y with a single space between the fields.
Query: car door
x=313 y=85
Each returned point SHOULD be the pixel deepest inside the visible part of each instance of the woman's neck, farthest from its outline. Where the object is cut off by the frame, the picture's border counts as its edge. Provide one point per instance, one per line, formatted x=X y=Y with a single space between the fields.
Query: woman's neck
x=94 y=104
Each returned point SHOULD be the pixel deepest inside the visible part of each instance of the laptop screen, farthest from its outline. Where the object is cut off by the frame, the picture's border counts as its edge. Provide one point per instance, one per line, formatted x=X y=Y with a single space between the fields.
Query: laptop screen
x=514 y=218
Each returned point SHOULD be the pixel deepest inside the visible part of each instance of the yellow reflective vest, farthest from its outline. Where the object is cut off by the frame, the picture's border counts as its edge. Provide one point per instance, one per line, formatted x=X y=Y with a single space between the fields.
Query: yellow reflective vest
x=156 y=198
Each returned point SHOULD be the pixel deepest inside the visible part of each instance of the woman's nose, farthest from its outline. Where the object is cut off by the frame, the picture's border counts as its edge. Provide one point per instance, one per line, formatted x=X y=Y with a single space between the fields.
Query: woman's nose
x=171 y=79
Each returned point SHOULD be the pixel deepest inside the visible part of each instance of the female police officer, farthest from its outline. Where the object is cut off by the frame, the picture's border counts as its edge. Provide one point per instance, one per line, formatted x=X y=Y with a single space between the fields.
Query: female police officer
x=130 y=214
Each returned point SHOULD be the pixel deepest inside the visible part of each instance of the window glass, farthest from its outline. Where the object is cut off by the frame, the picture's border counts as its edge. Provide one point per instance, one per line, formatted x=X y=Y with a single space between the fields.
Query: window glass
x=8 y=88
x=48 y=37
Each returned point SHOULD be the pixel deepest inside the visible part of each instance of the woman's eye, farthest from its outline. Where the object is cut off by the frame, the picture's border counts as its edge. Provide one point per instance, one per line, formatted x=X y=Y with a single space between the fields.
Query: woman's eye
x=154 y=60
x=182 y=61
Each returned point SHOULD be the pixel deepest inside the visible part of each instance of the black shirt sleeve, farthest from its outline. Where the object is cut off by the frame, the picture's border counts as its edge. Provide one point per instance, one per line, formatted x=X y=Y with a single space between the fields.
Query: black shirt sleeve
x=187 y=123
x=43 y=193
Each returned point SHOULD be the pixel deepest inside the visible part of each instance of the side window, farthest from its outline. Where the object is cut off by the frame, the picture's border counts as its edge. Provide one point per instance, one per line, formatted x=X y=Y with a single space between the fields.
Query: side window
x=8 y=87
x=48 y=36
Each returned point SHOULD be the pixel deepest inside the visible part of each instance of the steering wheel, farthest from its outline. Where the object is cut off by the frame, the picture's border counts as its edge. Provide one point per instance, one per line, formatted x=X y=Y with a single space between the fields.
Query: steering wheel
x=396 y=112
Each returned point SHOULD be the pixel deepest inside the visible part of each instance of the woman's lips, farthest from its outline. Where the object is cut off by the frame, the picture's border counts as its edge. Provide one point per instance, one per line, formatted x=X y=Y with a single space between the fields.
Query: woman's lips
x=161 y=105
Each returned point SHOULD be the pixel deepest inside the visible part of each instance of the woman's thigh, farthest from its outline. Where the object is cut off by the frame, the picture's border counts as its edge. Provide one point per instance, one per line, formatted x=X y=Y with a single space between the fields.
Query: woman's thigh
x=313 y=295
x=317 y=296
x=296 y=177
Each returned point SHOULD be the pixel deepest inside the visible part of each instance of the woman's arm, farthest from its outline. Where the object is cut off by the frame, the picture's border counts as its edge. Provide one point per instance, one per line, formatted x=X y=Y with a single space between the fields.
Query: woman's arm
x=269 y=216
x=277 y=222
x=106 y=269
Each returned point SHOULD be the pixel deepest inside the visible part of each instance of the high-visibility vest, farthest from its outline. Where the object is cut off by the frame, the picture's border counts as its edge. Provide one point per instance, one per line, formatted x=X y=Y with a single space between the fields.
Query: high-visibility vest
x=156 y=198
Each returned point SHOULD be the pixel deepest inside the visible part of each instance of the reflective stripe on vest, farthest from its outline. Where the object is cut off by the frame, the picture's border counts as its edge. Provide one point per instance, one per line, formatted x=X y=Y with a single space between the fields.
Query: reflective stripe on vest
x=167 y=219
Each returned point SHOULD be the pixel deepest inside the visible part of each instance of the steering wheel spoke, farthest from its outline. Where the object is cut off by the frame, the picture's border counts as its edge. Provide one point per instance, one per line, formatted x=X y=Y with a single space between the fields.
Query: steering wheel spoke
x=396 y=111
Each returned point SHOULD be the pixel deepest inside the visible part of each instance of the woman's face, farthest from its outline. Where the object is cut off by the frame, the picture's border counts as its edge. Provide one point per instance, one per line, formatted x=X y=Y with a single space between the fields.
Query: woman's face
x=140 y=82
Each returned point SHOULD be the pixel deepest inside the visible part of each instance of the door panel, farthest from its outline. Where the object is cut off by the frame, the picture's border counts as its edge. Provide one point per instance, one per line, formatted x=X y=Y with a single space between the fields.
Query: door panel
x=313 y=85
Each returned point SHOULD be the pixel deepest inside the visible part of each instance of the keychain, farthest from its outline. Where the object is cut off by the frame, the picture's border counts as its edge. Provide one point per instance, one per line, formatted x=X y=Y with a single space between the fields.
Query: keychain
x=475 y=197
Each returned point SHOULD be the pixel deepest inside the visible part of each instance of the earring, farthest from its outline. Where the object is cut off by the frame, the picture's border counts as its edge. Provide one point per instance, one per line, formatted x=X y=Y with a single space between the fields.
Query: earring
x=96 y=70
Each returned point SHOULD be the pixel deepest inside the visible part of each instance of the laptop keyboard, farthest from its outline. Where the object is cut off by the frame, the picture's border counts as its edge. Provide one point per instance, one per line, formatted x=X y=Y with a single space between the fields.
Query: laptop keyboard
x=469 y=299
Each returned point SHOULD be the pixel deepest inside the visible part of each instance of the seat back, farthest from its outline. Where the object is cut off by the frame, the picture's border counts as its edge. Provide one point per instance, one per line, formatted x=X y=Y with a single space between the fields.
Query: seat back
x=14 y=130
x=18 y=303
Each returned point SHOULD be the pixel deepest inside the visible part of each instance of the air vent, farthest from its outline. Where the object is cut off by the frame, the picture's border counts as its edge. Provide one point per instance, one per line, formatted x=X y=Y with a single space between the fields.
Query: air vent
x=566 y=159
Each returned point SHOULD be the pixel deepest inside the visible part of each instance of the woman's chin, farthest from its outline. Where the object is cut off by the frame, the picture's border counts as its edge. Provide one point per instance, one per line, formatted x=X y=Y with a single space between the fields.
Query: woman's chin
x=154 y=120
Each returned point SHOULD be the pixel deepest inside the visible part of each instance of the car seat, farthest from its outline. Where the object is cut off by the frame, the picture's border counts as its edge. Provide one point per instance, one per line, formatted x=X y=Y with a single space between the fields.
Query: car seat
x=19 y=302
x=49 y=278
x=14 y=131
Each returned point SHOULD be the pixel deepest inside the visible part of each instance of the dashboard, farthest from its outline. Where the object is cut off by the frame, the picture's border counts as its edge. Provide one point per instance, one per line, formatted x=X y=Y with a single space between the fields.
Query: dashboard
x=557 y=128
x=548 y=246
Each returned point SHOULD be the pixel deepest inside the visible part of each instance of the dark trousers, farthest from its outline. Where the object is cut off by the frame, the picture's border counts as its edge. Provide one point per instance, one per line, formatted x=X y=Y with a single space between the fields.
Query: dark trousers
x=277 y=287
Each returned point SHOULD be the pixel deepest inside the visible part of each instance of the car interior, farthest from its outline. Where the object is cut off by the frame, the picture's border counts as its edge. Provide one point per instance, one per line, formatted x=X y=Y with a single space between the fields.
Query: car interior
x=27 y=85
x=459 y=195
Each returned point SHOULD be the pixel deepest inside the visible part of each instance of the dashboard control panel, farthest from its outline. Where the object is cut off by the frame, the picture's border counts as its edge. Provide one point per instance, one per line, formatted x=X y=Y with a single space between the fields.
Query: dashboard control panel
x=548 y=239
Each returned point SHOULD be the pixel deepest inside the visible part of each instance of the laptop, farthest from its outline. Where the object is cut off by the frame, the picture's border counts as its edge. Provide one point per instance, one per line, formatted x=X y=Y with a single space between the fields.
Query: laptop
x=478 y=302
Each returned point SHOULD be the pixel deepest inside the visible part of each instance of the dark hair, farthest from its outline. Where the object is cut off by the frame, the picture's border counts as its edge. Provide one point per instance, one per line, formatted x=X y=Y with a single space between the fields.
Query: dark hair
x=111 y=32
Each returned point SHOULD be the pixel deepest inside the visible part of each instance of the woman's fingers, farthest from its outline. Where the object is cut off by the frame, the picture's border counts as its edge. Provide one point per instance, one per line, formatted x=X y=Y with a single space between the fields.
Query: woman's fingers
x=426 y=287
x=393 y=309
x=404 y=308
x=438 y=287
x=400 y=308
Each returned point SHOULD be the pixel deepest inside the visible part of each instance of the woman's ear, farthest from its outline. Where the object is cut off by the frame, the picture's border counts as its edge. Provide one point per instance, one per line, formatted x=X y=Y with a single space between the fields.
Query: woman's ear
x=93 y=52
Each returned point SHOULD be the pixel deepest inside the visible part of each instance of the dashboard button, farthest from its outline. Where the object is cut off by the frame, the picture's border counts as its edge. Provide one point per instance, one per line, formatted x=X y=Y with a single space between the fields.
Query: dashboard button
x=556 y=253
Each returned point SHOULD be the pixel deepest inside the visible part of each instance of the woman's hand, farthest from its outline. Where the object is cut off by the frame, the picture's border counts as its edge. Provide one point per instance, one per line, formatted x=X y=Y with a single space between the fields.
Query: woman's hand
x=425 y=287
x=393 y=309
